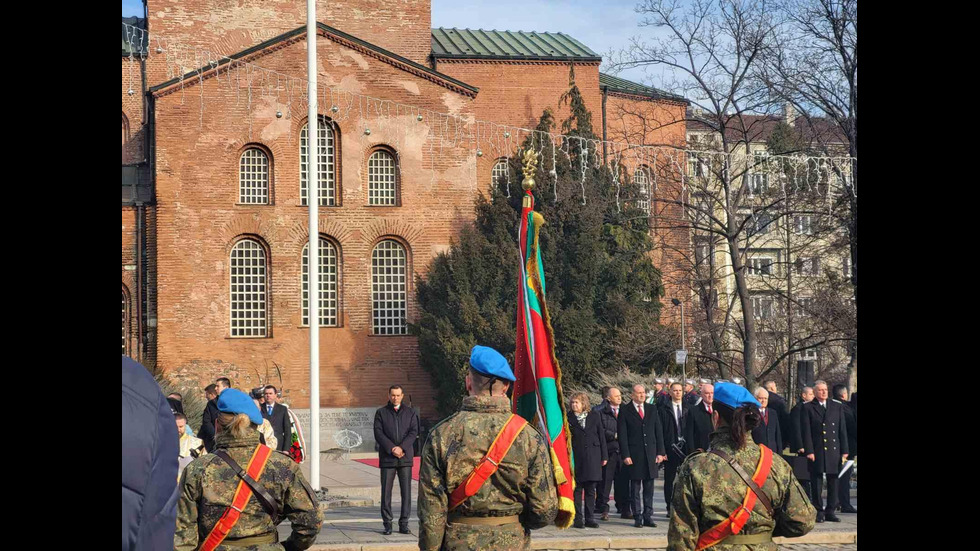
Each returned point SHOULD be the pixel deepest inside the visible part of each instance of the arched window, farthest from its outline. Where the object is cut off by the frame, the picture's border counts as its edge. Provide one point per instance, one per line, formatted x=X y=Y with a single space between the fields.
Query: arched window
x=125 y=322
x=328 y=284
x=327 y=162
x=382 y=178
x=389 y=291
x=125 y=129
x=253 y=177
x=642 y=179
x=248 y=289
x=498 y=175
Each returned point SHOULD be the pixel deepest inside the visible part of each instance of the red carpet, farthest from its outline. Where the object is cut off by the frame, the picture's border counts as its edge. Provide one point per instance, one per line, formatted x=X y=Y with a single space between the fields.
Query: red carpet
x=375 y=462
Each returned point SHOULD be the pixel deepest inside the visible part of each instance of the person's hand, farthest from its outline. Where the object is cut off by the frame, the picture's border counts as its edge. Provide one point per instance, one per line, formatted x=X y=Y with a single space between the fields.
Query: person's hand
x=628 y=460
x=604 y=462
x=843 y=457
x=811 y=457
x=397 y=451
x=799 y=450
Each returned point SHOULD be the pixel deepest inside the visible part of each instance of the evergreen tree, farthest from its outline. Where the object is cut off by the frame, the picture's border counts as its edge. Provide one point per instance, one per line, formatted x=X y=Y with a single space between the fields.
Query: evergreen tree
x=602 y=288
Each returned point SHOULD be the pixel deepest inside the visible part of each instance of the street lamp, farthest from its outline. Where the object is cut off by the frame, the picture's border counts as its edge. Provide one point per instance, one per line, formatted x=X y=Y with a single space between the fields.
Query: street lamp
x=676 y=302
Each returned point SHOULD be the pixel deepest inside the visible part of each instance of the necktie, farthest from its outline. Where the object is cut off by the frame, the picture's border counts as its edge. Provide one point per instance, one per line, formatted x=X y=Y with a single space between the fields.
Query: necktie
x=639 y=408
x=765 y=416
x=616 y=412
x=709 y=409
x=677 y=415
x=270 y=410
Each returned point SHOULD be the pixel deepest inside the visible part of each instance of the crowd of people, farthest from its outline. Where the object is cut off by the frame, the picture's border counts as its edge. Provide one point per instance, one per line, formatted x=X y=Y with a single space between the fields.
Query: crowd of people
x=622 y=447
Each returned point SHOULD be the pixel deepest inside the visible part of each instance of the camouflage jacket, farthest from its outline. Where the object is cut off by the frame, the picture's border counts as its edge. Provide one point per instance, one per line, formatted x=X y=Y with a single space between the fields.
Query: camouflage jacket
x=524 y=483
x=208 y=485
x=707 y=490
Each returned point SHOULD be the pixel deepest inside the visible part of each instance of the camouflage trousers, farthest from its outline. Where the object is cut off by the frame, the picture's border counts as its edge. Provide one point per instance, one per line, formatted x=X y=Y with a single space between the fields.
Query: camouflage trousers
x=508 y=537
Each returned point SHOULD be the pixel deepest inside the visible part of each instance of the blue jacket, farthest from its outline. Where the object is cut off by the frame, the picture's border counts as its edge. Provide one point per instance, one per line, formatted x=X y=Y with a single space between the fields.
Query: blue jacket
x=149 y=462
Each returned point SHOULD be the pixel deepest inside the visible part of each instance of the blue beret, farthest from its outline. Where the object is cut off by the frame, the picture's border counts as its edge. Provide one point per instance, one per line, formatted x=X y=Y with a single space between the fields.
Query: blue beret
x=233 y=400
x=489 y=362
x=733 y=395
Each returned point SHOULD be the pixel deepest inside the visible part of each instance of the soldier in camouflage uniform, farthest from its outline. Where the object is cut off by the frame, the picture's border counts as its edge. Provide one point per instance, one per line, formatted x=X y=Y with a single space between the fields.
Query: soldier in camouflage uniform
x=208 y=486
x=708 y=490
x=518 y=497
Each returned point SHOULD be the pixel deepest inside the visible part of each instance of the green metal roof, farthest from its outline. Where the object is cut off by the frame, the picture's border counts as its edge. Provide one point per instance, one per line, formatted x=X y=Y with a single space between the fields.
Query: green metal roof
x=133 y=38
x=616 y=84
x=481 y=44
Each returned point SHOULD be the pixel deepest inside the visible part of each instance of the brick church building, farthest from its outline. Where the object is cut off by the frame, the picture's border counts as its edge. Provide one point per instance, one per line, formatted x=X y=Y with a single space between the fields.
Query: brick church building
x=214 y=215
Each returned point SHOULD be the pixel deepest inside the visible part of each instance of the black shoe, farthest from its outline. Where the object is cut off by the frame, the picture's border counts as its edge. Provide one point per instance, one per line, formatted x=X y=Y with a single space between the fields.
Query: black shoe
x=848 y=509
x=820 y=517
x=638 y=523
x=578 y=525
x=832 y=517
x=387 y=531
x=650 y=523
x=592 y=524
x=627 y=515
x=404 y=530
x=605 y=516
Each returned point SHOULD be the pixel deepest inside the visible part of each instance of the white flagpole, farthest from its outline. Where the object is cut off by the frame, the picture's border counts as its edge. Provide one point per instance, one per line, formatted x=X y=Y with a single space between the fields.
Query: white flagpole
x=313 y=280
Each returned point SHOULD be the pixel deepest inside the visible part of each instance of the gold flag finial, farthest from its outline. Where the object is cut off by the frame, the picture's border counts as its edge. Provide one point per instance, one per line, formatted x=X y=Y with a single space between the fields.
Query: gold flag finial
x=530 y=165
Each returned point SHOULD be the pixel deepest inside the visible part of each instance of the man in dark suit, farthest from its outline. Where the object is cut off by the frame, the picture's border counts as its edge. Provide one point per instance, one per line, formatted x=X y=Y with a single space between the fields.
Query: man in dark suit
x=673 y=418
x=778 y=405
x=768 y=431
x=698 y=426
x=850 y=422
x=825 y=445
x=795 y=434
x=278 y=417
x=396 y=427
x=641 y=443
x=209 y=416
x=613 y=473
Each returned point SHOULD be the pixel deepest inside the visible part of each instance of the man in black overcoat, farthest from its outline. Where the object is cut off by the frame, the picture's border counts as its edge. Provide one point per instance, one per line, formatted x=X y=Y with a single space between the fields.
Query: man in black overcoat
x=698 y=427
x=767 y=432
x=795 y=435
x=396 y=426
x=778 y=404
x=209 y=416
x=641 y=443
x=673 y=414
x=278 y=417
x=613 y=473
x=850 y=422
x=825 y=445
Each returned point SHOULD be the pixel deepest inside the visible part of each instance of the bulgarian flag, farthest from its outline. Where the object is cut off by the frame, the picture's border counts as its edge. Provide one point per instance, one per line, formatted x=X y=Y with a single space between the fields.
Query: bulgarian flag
x=537 y=391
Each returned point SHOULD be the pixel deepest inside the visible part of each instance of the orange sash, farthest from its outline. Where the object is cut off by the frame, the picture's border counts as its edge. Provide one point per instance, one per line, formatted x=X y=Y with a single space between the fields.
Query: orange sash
x=488 y=465
x=242 y=494
x=735 y=521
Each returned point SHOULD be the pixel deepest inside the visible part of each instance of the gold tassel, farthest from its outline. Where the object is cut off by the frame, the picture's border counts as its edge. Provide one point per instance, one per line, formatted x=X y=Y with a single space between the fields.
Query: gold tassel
x=559 y=472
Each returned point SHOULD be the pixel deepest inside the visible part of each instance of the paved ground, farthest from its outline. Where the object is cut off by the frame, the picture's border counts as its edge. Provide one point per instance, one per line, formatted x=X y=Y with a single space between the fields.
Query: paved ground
x=358 y=528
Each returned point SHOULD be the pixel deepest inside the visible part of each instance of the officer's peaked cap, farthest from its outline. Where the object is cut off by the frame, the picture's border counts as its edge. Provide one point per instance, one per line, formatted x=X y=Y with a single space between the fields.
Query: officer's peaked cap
x=489 y=362
x=734 y=396
x=235 y=401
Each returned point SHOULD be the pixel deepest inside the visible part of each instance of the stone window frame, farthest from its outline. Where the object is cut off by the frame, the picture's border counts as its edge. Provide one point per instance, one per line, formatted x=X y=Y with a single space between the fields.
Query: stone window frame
x=407 y=283
x=337 y=172
x=126 y=320
x=267 y=303
x=396 y=162
x=269 y=184
x=644 y=193
x=339 y=311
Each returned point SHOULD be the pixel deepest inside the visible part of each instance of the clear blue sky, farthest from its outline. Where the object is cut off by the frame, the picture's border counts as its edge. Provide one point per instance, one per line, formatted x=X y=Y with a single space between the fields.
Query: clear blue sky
x=601 y=25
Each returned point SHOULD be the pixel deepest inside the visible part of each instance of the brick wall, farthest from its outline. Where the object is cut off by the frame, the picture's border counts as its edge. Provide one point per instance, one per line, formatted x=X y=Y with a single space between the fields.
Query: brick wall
x=129 y=263
x=226 y=27
x=132 y=112
x=198 y=221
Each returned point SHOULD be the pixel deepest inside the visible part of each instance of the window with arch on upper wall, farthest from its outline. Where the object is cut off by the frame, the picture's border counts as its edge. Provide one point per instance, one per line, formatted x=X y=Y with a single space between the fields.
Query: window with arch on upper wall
x=254 y=174
x=389 y=288
x=125 y=322
x=642 y=179
x=500 y=173
x=328 y=284
x=383 y=178
x=327 y=162
x=248 y=289
x=125 y=129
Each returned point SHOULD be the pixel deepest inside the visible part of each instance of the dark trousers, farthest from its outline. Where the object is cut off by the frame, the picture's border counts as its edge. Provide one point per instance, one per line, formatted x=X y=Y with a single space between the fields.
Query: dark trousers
x=670 y=473
x=647 y=495
x=610 y=472
x=585 y=495
x=816 y=482
x=405 y=484
x=845 y=488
